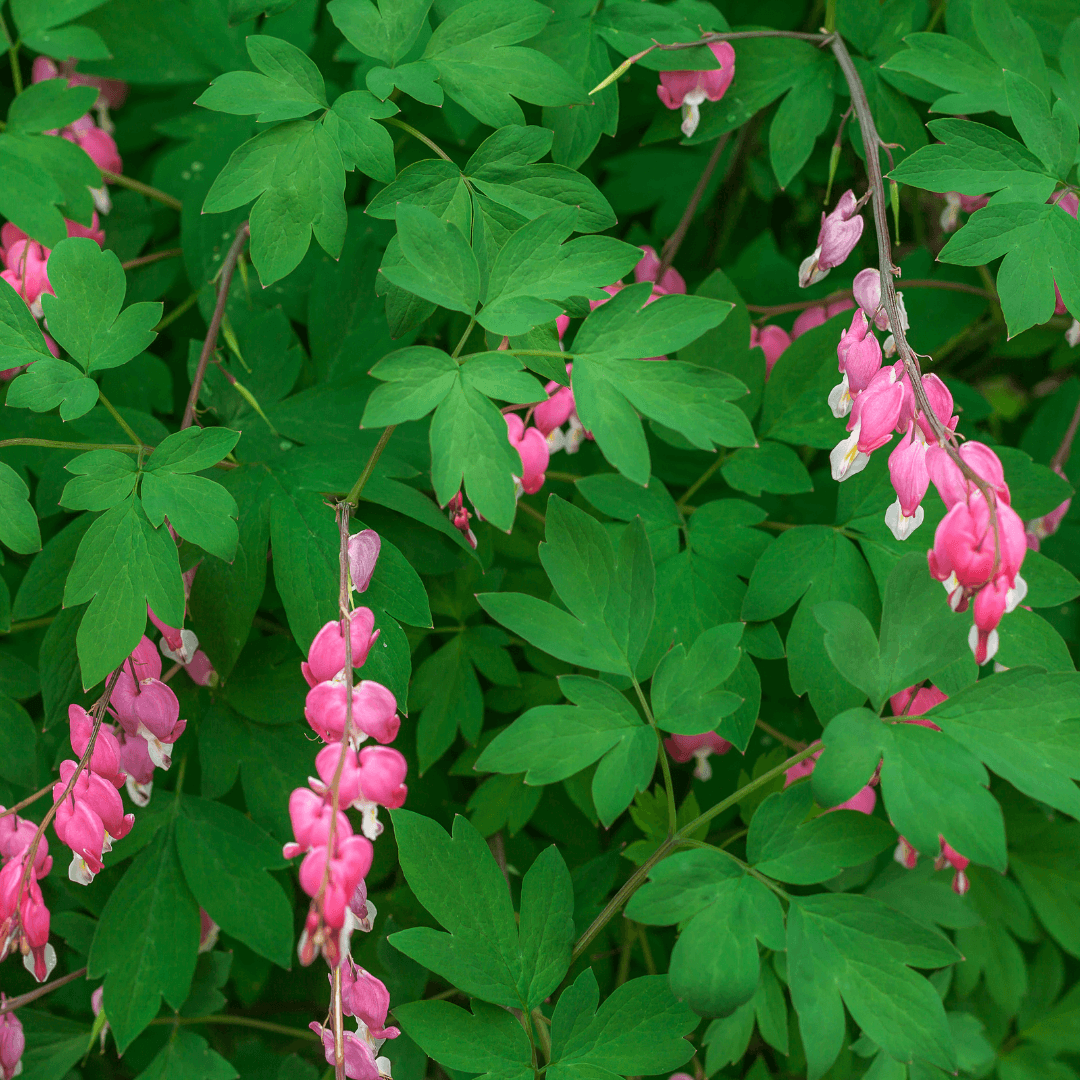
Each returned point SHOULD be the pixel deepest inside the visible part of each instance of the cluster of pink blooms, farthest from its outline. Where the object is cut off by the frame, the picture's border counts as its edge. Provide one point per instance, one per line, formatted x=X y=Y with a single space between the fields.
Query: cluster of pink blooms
x=774 y=340
x=24 y=918
x=12 y=1044
x=336 y=860
x=25 y=260
x=687 y=90
x=555 y=423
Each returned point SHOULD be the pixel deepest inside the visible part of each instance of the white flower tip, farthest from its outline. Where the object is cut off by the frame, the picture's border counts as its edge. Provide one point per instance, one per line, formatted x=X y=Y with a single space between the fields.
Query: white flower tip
x=992 y=642
x=78 y=871
x=846 y=458
x=840 y=399
x=691 y=117
x=138 y=793
x=703 y=768
x=50 y=963
x=1015 y=595
x=902 y=527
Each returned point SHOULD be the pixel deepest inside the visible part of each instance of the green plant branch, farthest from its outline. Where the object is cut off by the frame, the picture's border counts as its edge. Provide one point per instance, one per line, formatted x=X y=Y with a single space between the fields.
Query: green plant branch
x=180 y=309
x=60 y=444
x=353 y=498
x=27 y=801
x=846 y=294
x=11 y=1004
x=235 y=1021
x=162 y=197
x=703 y=479
x=124 y=425
x=419 y=135
x=157 y=256
x=669 y=787
x=464 y=337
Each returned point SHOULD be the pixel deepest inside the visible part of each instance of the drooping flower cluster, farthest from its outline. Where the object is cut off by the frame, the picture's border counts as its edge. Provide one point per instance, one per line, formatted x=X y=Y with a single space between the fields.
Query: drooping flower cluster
x=909 y=704
x=12 y=1044
x=350 y=776
x=1040 y=528
x=24 y=918
x=687 y=90
x=839 y=233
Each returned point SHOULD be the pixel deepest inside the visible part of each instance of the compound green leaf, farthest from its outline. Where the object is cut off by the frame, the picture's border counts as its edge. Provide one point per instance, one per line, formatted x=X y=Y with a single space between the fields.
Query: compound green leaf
x=364 y=144
x=21 y=340
x=18 y=523
x=684 y=693
x=103 y=478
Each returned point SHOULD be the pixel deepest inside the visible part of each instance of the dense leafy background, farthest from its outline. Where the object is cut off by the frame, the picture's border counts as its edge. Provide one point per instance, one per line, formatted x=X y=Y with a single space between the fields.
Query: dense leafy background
x=524 y=664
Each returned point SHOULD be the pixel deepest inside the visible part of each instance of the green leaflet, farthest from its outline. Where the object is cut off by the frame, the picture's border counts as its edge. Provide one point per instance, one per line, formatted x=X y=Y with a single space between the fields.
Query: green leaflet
x=18 y=742
x=920 y=634
x=40 y=28
x=146 y=940
x=123 y=564
x=46 y=105
x=772 y=466
x=802 y=116
x=18 y=522
x=21 y=340
x=784 y=845
x=553 y=742
x=387 y=31
x=684 y=693
x=856 y=949
x=446 y=690
x=714 y=965
x=931 y=784
x=485 y=953
x=185 y=1056
x=610 y=600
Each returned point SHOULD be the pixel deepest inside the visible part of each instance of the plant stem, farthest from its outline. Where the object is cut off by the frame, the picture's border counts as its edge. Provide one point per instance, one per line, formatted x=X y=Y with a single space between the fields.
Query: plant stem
x=238 y=1021
x=210 y=342
x=124 y=425
x=354 y=494
x=13 y=56
x=11 y=1004
x=60 y=444
x=418 y=135
x=533 y=513
x=162 y=197
x=180 y=309
x=846 y=294
x=157 y=256
x=669 y=787
x=671 y=248
x=779 y=736
x=704 y=478
x=1061 y=455
x=27 y=801
x=464 y=337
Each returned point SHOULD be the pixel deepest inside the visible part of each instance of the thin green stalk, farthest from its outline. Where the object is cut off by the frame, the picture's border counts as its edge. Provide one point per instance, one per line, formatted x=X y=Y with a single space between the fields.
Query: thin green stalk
x=181 y=309
x=418 y=135
x=124 y=425
x=238 y=1021
x=30 y=624
x=60 y=444
x=354 y=494
x=13 y=56
x=539 y=352
x=704 y=478
x=669 y=787
x=162 y=197
x=464 y=337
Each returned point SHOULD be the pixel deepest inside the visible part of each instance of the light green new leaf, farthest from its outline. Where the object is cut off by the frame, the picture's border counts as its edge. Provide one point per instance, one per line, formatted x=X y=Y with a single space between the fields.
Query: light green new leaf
x=1025 y=725
x=440 y=266
x=474 y=51
x=18 y=523
x=290 y=85
x=225 y=857
x=784 y=845
x=199 y=509
x=484 y=952
x=85 y=317
x=364 y=144
x=103 y=478
x=469 y=442
x=932 y=786
x=1041 y=245
x=158 y=961
x=553 y=742
x=850 y=948
x=640 y=1026
x=296 y=175
x=497 y=375
x=122 y=564
x=386 y=32
x=48 y=383
x=489 y=1040
x=714 y=965
x=684 y=692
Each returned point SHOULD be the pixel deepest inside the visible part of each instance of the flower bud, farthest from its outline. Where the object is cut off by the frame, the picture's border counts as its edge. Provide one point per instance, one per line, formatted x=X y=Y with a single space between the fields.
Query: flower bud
x=363 y=551
x=840 y=232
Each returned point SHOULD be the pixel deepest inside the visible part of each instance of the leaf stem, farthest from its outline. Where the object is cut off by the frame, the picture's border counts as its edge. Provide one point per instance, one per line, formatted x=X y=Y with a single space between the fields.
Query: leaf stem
x=11 y=1004
x=157 y=256
x=124 y=425
x=210 y=342
x=846 y=294
x=180 y=309
x=779 y=736
x=353 y=498
x=669 y=787
x=162 y=197
x=418 y=135
x=1061 y=455
x=464 y=337
x=13 y=56
x=238 y=1021
x=60 y=444
x=29 y=798
x=703 y=479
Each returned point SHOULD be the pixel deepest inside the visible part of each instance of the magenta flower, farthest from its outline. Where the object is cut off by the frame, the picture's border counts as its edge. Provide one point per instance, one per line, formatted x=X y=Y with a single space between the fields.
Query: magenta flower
x=27 y=273
x=552 y=414
x=772 y=341
x=12 y=1044
x=700 y=747
x=839 y=233
x=858 y=360
x=366 y=998
x=135 y=758
x=1069 y=202
x=350 y=863
x=460 y=518
x=686 y=90
x=950 y=481
x=360 y=1060
x=373 y=711
x=382 y=775
x=873 y=419
x=648 y=267
x=311 y=816
x=910 y=480
x=1040 y=528
x=915 y=700
x=326 y=657
x=105 y=760
x=533 y=450
x=818 y=315
x=88 y=819
x=951 y=857
x=954 y=204
x=863 y=801
x=363 y=549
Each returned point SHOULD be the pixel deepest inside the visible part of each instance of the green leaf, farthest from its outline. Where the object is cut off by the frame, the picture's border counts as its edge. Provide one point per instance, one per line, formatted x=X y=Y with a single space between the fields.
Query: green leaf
x=1049 y=583
x=714 y=965
x=192 y=450
x=920 y=634
x=187 y=1056
x=290 y=85
x=1022 y=724
x=772 y=466
x=458 y=881
x=553 y=742
x=147 y=940
x=48 y=383
x=30 y=195
x=1041 y=245
x=802 y=116
x=49 y=104
x=818 y=564
x=42 y=589
x=386 y=32
x=975 y=159
x=415 y=381
x=932 y=786
x=855 y=949
x=85 y=317
x=21 y=340
x=946 y=61
x=199 y=509
x=18 y=523
x=488 y=1039
x=364 y=144
x=18 y=741
x=685 y=698
x=447 y=692
x=640 y=1026
x=1051 y=137
x=103 y=479
x=439 y=266
x=296 y=175
x=469 y=443
x=225 y=857
x=122 y=565
x=785 y=846
x=474 y=51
